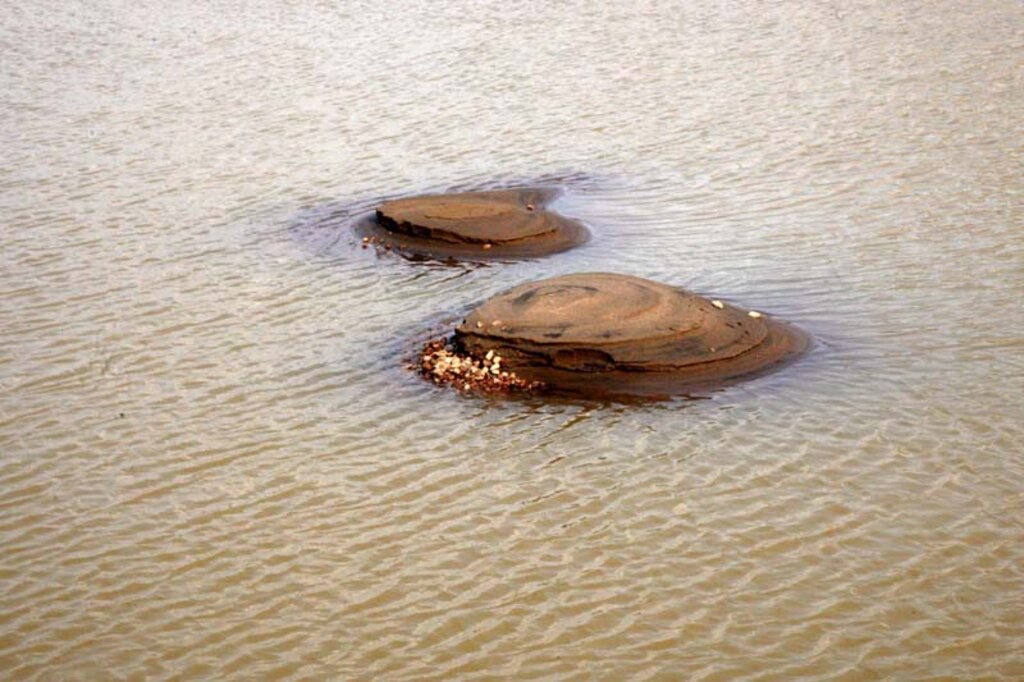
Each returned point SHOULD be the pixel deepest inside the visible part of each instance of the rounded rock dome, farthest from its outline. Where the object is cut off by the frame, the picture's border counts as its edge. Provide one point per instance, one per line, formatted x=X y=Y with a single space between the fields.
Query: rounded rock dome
x=510 y=223
x=604 y=332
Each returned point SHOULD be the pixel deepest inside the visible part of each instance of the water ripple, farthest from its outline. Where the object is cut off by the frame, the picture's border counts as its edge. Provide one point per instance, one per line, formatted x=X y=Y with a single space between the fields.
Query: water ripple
x=215 y=465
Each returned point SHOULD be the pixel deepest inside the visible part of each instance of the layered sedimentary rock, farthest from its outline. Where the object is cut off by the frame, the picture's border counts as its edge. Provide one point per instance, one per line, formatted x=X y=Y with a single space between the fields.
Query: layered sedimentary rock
x=474 y=225
x=609 y=333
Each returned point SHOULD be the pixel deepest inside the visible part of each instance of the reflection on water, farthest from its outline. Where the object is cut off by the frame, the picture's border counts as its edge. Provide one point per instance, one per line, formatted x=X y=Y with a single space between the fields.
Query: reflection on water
x=213 y=463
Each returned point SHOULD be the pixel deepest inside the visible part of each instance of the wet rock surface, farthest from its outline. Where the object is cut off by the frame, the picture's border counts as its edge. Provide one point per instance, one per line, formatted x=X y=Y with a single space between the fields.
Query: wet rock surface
x=496 y=224
x=603 y=333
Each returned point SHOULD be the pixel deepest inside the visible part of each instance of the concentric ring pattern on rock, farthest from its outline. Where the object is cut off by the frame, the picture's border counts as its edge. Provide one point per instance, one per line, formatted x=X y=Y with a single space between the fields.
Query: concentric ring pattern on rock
x=512 y=223
x=612 y=333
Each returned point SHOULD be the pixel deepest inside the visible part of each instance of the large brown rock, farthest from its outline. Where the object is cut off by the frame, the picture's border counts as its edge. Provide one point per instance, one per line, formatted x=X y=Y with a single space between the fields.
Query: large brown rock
x=474 y=225
x=602 y=332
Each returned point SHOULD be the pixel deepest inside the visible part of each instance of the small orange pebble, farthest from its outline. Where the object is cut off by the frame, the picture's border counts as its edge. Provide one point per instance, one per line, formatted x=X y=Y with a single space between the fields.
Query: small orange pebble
x=487 y=246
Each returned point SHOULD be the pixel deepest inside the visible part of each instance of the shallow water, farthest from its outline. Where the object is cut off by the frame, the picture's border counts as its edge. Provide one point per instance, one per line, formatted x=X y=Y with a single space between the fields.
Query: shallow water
x=213 y=463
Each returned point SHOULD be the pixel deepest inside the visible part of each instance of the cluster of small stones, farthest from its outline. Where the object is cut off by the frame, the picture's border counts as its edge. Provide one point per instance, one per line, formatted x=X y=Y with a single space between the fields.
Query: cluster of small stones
x=442 y=364
x=374 y=241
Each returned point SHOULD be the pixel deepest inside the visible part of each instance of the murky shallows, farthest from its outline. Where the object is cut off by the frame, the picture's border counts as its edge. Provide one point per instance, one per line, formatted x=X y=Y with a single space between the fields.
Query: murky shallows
x=213 y=464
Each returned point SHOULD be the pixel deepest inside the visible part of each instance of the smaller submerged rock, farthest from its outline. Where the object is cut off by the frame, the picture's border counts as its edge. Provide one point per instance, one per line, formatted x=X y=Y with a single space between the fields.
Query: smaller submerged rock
x=473 y=225
x=608 y=334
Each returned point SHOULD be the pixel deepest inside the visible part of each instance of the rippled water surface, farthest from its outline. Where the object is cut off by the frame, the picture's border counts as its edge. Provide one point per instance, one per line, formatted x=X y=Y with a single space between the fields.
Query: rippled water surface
x=214 y=465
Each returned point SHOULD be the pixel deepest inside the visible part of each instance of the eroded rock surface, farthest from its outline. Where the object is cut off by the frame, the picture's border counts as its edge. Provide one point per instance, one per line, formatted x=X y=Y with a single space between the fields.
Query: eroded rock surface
x=474 y=225
x=610 y=333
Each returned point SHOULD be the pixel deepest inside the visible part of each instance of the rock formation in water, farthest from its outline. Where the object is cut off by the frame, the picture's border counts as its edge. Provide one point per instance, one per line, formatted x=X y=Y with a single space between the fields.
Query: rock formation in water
x=473 y=225
x=601 y=333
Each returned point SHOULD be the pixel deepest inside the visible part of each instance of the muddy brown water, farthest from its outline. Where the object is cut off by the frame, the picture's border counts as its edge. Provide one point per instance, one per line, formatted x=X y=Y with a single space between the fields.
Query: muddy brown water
x=213 y=464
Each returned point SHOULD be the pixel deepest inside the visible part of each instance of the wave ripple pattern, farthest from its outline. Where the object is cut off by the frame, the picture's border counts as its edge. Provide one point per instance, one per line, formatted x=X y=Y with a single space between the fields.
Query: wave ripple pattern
x=214 y=465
